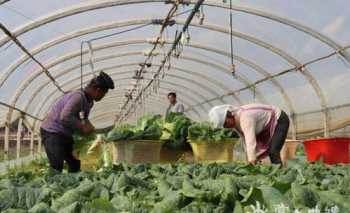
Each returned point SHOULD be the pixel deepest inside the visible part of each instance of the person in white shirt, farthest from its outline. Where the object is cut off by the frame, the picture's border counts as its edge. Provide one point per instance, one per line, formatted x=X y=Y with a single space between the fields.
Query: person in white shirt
x=174 y=106
x=263 y=128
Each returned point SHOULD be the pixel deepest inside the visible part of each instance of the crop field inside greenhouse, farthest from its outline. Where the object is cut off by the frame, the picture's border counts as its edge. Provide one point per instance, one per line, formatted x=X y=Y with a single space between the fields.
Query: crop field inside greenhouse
x=162 y=106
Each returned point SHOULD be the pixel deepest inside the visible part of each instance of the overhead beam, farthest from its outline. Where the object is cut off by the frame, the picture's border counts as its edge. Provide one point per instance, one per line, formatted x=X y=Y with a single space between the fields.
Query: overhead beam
x=284 y=55
x=81 y=8
x=120 y=66
x=25 y=84
x=319 y=92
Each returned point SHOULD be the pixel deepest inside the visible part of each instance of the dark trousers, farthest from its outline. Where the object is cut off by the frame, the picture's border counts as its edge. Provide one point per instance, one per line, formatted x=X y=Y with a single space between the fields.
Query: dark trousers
x=59 y=149
x=279 y=138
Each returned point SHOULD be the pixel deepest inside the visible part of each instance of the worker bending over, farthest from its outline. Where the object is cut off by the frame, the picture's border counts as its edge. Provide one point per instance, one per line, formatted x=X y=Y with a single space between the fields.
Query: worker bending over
x=263 y=128
x=69 y=115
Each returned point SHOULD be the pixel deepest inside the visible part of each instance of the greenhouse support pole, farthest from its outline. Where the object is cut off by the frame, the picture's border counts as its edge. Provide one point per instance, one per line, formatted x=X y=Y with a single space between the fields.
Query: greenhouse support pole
x=7 y=141
x=39 y=144
x=295 y=127
x=26 y=123
x=18 y=141
x=326 y=122
x=32 y=134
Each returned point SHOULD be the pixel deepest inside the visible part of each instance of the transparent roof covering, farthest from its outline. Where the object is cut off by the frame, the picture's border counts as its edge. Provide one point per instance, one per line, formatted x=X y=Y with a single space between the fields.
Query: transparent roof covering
x=293 y=55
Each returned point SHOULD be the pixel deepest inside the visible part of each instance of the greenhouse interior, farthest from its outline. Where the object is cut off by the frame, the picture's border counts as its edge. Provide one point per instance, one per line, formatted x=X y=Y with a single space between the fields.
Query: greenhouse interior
x=174 y=106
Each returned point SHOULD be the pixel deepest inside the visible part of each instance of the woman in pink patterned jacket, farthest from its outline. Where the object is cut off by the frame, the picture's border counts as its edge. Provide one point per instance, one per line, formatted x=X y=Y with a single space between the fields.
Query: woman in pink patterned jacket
x=263 y=128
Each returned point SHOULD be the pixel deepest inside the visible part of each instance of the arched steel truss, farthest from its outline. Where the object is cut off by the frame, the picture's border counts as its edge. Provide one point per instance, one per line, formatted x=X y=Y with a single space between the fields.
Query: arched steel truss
x=275 y=50
x=111 y=3
x=81 y=8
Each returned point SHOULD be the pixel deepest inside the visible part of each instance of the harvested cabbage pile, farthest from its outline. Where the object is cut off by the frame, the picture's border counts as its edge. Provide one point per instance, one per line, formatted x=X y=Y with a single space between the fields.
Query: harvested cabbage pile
x=206 y=133
x=181 y=188
x=175 y=130
x=148 y=127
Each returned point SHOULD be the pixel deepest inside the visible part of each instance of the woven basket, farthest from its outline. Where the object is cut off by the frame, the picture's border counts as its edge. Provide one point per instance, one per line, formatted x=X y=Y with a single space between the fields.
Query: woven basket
x=209 y=152
x=140 y=151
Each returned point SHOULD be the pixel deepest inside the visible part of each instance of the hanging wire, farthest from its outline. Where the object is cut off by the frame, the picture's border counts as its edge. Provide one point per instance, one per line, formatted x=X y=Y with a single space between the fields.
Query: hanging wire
x=341 y=58
x=148 y=60
x=121 y=32
x=233 y=68
x=155 y=80
x=177 y=25
x=6 y=47
x=283 y=72
x=91 y=58
x=188 y=36
x=254 y=92
x=184 y=12
x=201 y=16
x=164 y=23
x=20 y=45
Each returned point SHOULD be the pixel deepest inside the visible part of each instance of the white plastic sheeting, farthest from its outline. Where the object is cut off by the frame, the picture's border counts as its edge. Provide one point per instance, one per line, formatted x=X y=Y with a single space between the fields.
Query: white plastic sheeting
x=269 y=38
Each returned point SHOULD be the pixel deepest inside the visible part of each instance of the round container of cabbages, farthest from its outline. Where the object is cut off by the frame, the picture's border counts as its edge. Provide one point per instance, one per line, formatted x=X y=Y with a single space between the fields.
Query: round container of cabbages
x=137 y=151
x=210 y=152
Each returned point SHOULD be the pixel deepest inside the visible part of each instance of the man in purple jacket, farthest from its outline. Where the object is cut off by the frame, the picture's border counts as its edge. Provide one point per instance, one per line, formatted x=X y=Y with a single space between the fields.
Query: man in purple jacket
x=68 y=115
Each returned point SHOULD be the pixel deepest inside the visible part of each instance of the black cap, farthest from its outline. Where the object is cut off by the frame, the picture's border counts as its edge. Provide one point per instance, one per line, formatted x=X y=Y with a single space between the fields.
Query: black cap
x=104 y=81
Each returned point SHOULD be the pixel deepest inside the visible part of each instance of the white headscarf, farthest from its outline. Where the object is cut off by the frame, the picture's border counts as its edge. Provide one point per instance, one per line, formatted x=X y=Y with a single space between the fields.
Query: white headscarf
x=217 y=114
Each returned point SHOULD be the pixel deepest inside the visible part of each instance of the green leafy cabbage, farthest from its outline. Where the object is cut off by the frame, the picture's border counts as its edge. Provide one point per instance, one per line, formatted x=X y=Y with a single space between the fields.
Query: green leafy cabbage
x=148 y=127
x=205 y=132
x=229 y=187
x=175 y=130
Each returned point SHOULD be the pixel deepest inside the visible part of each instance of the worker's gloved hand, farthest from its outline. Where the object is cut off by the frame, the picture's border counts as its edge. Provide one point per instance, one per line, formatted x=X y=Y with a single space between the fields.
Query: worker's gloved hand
x=87 y=128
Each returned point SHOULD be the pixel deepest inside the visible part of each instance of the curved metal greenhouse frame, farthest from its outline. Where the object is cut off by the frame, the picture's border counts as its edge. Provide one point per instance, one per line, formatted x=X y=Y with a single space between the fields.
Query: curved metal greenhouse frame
x=206 y=89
